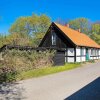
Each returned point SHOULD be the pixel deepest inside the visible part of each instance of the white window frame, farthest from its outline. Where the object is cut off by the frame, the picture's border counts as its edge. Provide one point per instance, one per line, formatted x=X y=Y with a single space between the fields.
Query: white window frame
x=53 y=38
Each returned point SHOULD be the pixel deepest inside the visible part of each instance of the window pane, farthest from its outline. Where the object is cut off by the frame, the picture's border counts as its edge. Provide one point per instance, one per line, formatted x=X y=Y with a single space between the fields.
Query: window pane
x=53 y=39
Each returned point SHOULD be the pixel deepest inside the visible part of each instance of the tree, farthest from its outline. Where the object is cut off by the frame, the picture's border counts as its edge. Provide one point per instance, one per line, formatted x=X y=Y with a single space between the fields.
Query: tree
x=96 y=37
x=19 y=26
x=96 y=28
x=1 y=40
x=80 y=23
x=31 y=27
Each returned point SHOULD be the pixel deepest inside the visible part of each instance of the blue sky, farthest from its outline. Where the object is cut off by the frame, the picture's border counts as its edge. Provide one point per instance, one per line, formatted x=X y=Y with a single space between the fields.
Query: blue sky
x=10 y=10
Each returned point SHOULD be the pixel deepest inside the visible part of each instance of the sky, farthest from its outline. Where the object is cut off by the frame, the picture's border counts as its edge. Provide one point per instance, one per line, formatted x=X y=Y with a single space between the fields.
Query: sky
x=10 y=10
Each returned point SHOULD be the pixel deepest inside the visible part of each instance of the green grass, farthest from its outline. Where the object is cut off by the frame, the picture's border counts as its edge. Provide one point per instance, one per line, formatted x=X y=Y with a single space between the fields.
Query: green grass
x=46 y=71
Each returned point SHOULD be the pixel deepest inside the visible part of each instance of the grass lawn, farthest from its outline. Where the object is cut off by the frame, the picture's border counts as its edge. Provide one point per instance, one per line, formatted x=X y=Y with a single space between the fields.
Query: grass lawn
x=46 y=71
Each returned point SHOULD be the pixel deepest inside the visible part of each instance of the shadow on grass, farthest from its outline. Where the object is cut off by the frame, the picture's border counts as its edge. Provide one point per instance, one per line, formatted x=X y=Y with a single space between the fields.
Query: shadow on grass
x=89 y=92
x=11 y=91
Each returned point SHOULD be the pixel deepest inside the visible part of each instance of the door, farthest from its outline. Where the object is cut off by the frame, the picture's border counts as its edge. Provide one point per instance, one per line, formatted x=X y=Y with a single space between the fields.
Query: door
x=87 y=54
x=59 y=58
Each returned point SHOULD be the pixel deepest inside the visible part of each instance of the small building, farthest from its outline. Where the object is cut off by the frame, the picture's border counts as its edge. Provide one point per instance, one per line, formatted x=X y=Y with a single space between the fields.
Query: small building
x=70 y=45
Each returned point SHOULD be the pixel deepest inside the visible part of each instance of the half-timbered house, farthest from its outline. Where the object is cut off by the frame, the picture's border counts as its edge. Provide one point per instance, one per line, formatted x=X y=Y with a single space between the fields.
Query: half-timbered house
x=70 y=45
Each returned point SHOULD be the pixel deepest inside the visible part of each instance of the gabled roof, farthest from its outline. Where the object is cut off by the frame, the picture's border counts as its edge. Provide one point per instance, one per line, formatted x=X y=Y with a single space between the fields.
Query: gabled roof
x=80 y=39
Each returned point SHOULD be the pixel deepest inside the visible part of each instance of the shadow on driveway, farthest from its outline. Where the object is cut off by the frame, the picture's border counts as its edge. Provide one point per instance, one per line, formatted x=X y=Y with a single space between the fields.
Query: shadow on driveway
x=10 y=91
x=89 y=92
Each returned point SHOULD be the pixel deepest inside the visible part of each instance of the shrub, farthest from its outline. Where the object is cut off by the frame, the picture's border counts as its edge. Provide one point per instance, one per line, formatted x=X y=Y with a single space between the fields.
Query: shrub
x=7 y=74
x=26 y=60
x=91 y=61
x=15 y=62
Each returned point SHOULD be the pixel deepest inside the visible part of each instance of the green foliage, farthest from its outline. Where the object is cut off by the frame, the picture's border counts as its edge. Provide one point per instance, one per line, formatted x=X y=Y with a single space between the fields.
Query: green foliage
x=15 y=62
x=26 y=60
x=96 y=37
x=80 y=23
x=1 y=40
x=15 y=39
x=31 y=29
x=84 y=24
x=7 y=74
x=96 y=28
x=92 y=30
x=19 y=26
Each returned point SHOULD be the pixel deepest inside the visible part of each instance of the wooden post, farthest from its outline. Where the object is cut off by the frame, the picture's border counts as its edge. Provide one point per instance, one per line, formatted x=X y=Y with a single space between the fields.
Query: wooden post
x=75 y=54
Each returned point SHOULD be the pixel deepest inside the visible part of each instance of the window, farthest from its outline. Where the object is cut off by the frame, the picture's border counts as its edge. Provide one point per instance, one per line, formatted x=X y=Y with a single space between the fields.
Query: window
x=53 y=39
x=92 y=52
x=98 y=52
x=82 y=52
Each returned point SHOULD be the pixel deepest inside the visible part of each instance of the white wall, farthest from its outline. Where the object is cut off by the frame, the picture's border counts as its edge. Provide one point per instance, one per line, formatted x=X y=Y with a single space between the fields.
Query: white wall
x=79 y=57
x=95 y=53
x=70 y=59
x=99 y=53
x=78 y=53
x=90 y=54
x=70 y=53
x=83 y=55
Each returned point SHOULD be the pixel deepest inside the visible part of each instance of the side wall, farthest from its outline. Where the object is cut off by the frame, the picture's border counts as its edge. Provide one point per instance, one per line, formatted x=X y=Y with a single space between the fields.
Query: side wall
x=74 y=55
x=94 y=53
x=81 y=54
x=78 y=54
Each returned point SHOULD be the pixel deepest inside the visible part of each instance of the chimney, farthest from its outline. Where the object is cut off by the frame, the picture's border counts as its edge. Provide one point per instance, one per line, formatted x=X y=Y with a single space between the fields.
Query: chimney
x=79 y=30
x=67 y=25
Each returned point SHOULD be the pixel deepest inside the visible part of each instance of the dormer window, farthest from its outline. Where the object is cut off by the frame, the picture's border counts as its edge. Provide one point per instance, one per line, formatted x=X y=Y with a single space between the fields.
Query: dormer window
x=53 y=38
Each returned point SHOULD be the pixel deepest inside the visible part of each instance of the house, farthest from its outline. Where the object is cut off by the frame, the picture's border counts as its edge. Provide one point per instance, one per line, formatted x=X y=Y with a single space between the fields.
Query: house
x=70 y=45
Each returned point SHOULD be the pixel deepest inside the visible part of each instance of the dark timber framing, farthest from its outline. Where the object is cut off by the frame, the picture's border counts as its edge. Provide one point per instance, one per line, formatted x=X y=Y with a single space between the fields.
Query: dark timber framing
x=60 y=34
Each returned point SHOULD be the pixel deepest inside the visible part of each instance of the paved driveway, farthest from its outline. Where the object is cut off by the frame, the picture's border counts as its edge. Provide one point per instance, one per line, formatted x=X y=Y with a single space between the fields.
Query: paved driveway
x=79 y=84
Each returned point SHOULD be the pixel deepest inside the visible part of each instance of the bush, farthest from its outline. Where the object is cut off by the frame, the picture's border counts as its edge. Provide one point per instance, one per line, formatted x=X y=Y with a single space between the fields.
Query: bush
x=27 y=60
x=7 y=74
x=91 y=61
x=15 y=62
